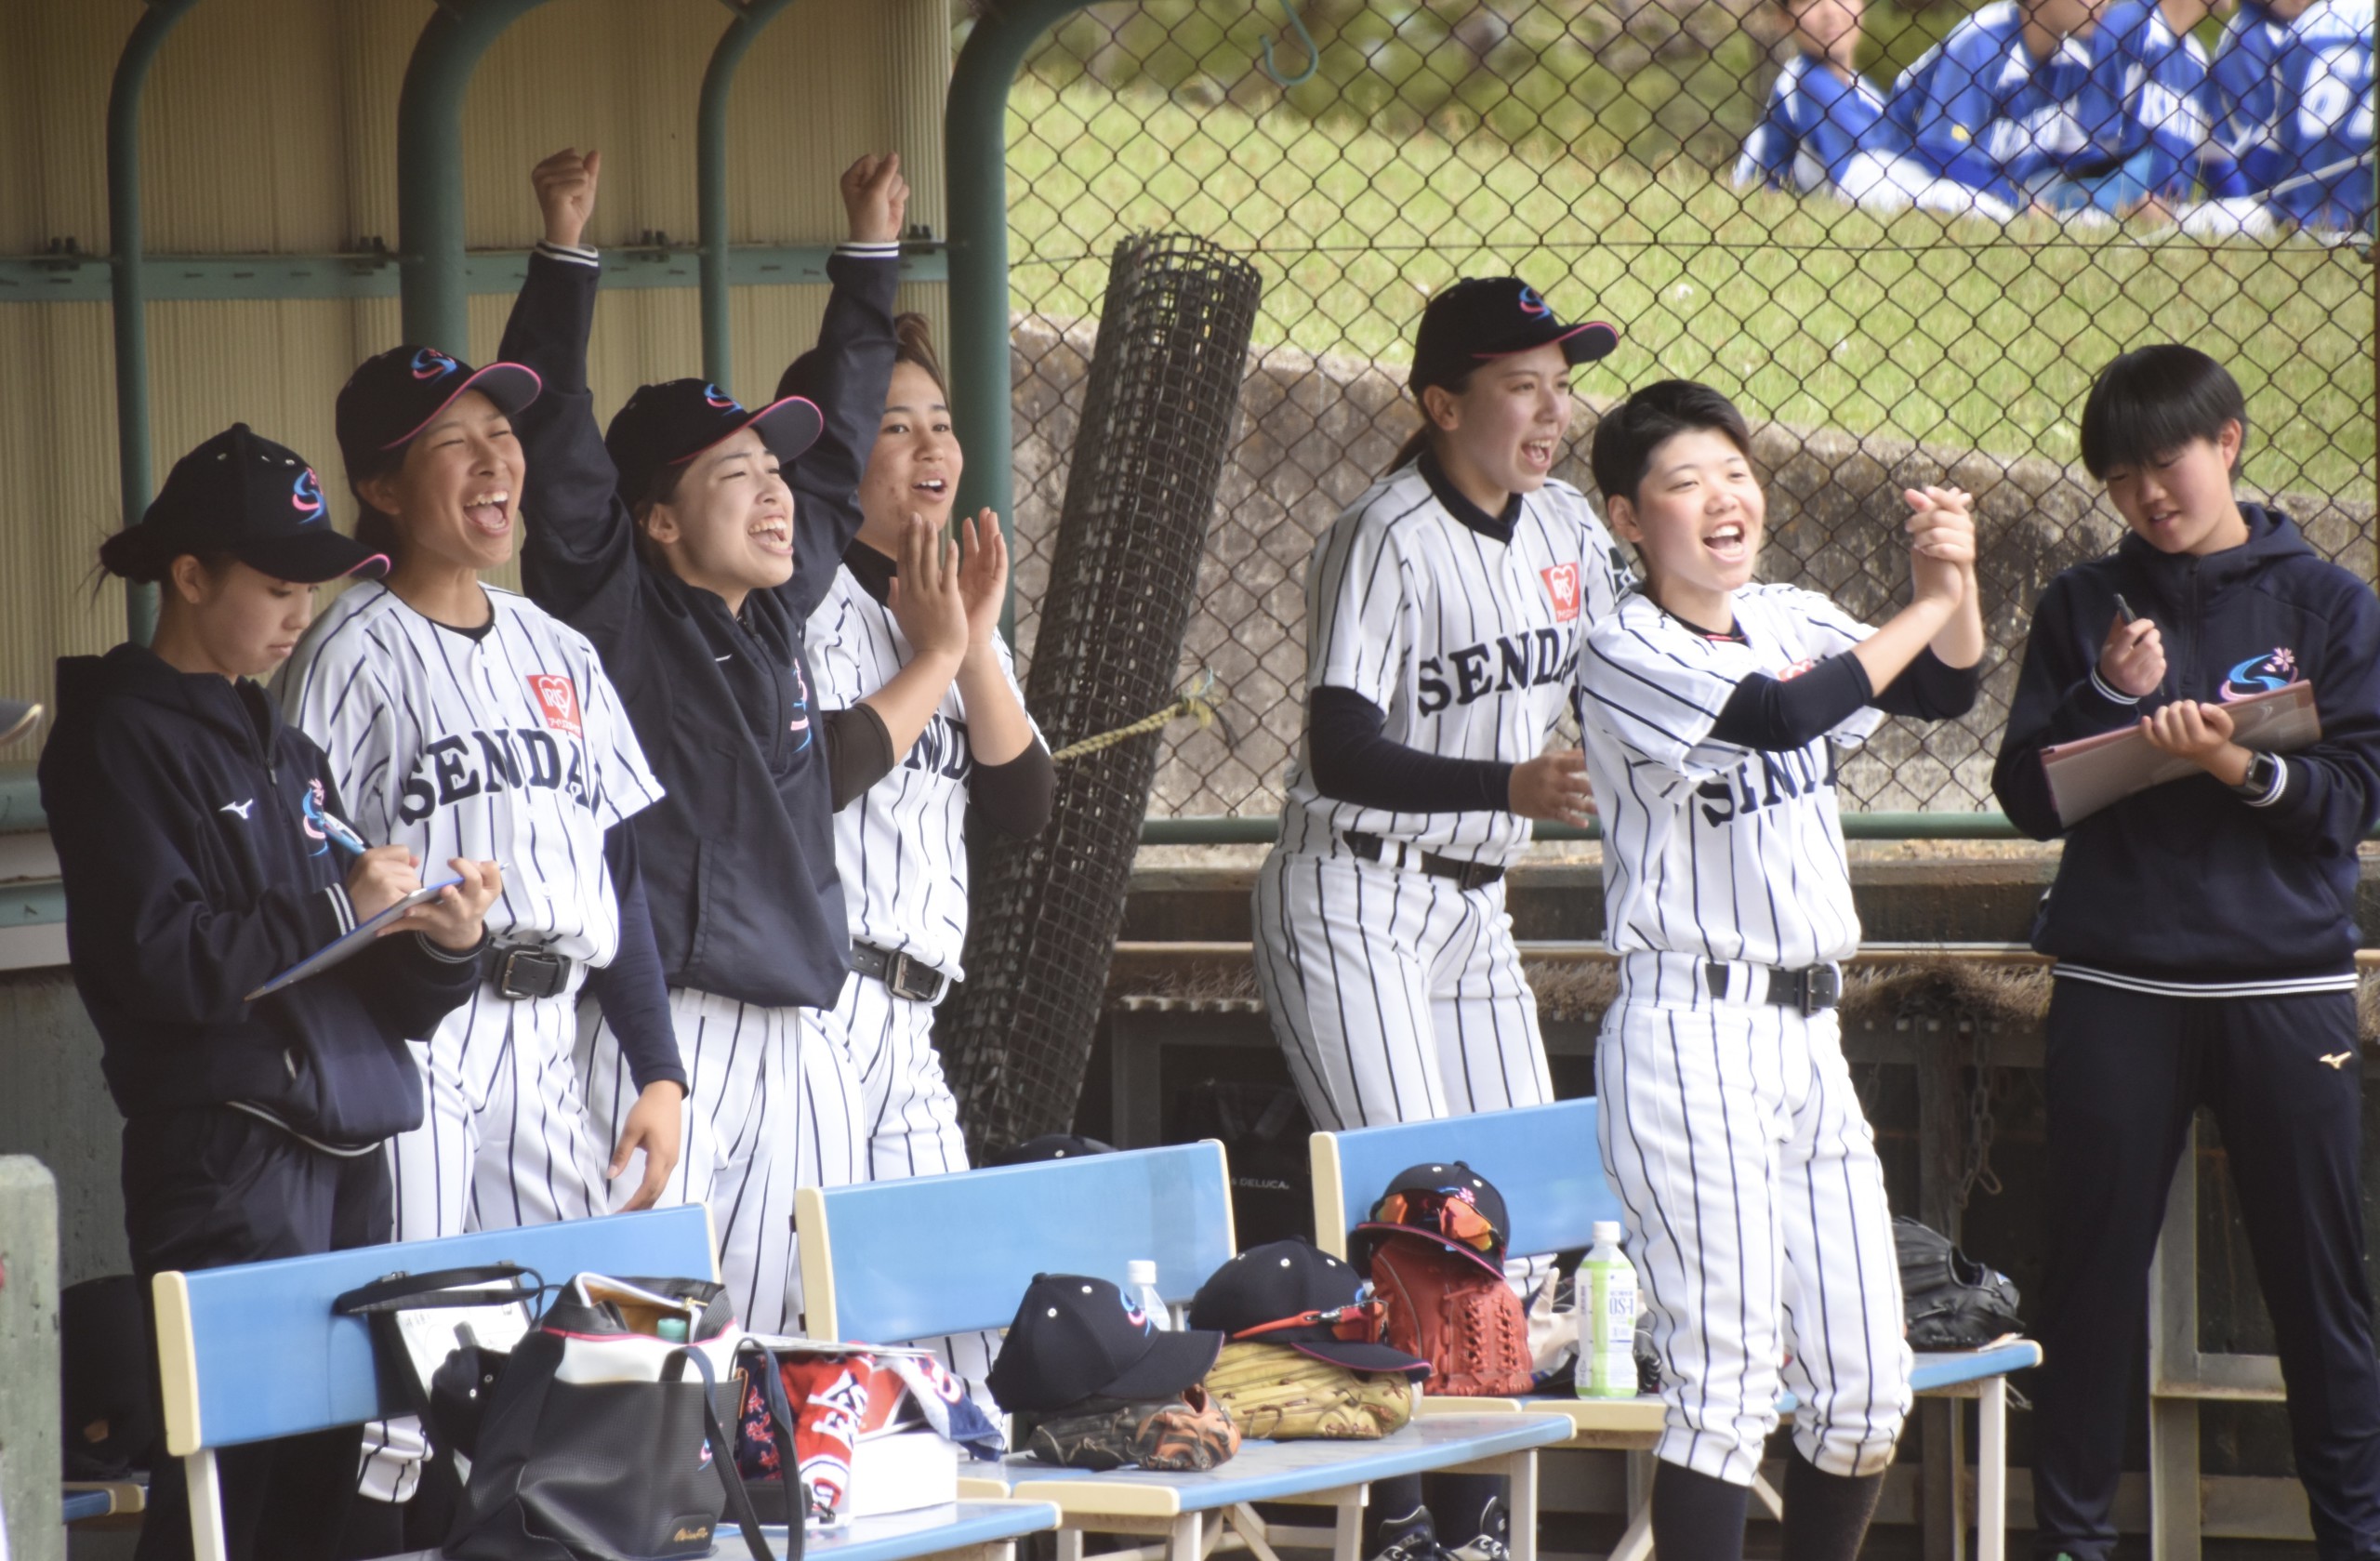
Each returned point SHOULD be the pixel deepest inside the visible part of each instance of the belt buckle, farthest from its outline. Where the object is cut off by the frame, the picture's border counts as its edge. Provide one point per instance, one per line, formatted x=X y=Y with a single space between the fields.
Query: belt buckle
x=520 y=966
x=896 y=978
x=1475 y=874
x=1820 y=988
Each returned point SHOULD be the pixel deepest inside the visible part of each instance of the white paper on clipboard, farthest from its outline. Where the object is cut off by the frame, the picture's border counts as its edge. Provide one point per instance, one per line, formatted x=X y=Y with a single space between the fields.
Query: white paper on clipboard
x=355 y=942
x=2087 y=776
x=431 y=1333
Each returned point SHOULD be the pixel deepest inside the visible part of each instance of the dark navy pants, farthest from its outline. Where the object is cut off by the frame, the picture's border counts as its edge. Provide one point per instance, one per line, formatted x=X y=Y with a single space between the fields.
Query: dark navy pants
x=212 y=1186
x=2284 y=1079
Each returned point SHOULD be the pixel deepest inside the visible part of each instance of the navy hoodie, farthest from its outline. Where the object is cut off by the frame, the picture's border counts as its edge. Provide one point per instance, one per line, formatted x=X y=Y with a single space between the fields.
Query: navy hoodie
x=180 y=806
x=739 y=857
x=2189 y=884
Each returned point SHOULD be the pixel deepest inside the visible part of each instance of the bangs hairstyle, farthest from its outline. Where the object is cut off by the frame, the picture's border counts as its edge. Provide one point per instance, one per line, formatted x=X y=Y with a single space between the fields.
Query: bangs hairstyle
x=2147 y=405
x=1629 y=432
x=913 y=343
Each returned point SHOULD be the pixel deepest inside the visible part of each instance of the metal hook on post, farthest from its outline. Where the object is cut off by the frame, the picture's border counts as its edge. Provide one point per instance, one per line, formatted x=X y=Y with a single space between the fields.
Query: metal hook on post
x=1312 y=55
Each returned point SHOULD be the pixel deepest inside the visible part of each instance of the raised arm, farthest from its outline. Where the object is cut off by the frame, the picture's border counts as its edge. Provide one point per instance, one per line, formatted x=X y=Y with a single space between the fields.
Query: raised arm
x=578 y=560
x=847 y=374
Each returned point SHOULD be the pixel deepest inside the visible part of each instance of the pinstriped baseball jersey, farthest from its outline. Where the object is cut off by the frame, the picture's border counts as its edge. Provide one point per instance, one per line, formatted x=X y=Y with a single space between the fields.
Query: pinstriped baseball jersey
x=511 y=746
x=1712 y=849
x=901 y=848
x=1470 y=644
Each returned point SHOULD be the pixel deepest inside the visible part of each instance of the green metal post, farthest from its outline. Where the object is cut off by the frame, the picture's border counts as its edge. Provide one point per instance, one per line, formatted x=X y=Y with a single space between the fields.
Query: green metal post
x=131 y=320
x=976 y=153
x=429 y=166
x=710 y=179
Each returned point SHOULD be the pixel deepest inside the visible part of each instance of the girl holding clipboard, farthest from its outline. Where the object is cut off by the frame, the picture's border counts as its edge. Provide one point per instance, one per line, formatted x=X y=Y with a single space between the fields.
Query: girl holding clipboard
x=194 y=831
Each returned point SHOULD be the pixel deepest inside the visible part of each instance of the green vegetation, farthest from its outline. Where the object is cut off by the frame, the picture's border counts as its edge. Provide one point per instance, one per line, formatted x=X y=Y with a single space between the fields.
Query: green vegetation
x=1955 y=330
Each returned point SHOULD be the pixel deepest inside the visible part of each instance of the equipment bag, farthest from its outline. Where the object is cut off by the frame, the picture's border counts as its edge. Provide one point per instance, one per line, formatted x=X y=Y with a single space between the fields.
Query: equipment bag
x=595 y=1437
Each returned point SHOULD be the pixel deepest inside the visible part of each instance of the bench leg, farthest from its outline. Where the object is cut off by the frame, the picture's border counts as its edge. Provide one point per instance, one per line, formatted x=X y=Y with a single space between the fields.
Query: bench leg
x=1521 y=1469
x=1347 y=1529
x=206 y=1539
x=1069 y=1543
x=1637 y=1540
x=1187 y=1542
x=1253 y=1530
x=1992 y=1471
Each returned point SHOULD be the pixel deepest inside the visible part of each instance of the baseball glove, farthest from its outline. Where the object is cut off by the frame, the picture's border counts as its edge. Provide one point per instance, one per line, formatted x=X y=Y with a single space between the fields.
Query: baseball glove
x=1458 y=1314
x=1190 y=1431
x=1273 y=1391
x=1952 y=1301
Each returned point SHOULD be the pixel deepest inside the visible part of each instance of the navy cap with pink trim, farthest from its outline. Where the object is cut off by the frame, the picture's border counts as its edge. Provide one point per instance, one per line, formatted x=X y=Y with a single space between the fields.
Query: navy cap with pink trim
x=241 y=493
x=400 y=392
x=670 y=424
x=1482 y=318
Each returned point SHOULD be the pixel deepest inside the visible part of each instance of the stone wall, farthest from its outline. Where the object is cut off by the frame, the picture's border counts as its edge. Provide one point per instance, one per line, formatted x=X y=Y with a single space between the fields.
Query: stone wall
x=1317 y=429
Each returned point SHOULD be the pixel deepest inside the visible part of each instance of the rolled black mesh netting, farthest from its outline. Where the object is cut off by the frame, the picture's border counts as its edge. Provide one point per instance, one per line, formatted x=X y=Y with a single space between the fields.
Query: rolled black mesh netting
x=1158 y=420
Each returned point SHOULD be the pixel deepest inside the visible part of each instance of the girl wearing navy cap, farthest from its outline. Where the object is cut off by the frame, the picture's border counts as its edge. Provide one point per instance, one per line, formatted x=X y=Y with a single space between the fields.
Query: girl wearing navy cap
x=199 y=840
x=691 y=549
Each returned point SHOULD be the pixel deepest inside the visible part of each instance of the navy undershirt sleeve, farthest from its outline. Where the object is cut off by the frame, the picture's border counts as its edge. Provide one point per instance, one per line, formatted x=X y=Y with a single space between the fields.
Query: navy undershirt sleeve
x=1931 y=688
x=630 y=990
x=1352 y=762
x=1778 y=715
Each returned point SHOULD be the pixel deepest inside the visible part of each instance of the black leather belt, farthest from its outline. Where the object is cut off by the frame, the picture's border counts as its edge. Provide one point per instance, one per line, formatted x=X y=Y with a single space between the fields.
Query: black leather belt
x=519 y=970
x=1464 y=875
x=1813 y=989
x=905 y=976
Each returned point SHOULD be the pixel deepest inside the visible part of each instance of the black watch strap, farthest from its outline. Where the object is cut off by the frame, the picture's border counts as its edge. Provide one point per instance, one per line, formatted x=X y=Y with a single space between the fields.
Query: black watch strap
x=2263 y=771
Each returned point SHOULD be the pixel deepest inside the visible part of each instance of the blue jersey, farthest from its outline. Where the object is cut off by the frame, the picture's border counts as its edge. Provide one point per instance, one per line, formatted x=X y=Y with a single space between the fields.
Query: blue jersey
x=2147 y=95
x=1816 y=123
x=1977 y=108
x=2291 y=104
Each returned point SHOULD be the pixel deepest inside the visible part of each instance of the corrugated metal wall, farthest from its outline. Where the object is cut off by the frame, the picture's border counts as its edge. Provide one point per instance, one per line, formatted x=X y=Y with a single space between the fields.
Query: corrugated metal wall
x=270 y=125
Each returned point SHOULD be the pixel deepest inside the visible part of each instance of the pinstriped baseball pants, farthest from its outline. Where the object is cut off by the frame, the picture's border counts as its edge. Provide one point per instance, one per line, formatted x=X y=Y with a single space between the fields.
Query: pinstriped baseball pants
x=1756 y=1221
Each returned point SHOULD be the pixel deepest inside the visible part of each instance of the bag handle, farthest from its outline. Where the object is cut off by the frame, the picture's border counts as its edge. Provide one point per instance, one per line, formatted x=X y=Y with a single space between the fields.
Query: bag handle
x=722 y=1456
x=441 y=1288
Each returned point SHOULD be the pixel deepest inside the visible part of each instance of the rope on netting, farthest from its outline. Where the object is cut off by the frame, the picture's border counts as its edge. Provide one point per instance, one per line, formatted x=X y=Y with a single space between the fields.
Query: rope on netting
x=1199 y=704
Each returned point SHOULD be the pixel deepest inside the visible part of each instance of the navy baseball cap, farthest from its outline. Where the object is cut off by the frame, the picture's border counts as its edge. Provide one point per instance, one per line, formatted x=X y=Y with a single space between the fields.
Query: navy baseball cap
x=1449 y=1203
x=398 y=393
x=1294 y=1293
x=1484 y=317
x=670 y=423
x=1075 y=1338
x=241 y=493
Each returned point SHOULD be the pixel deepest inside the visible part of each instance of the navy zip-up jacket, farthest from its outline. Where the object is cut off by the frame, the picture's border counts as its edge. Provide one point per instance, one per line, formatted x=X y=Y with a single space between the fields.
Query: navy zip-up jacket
x=182 y=808
x=2189 y=883
x=739 y=857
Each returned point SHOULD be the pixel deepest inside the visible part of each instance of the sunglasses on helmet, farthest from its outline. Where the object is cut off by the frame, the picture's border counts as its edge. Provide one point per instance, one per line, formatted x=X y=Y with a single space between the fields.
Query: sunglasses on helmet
x=1454 y=1218
x=1358 y=1322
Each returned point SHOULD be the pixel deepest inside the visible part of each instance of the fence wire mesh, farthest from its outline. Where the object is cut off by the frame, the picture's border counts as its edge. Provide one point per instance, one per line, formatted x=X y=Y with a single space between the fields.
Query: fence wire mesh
x=1597 y=148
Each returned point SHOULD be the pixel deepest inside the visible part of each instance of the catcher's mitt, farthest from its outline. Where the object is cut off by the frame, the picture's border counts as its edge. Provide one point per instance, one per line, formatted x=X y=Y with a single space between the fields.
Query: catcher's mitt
x=1273 y=1391
x=1190 y=1431
x=1457 y=1315
x=1952 y=1301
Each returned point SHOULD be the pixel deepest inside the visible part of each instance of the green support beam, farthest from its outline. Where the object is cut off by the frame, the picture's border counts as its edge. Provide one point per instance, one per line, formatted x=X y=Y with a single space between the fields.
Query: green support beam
x=710 y=181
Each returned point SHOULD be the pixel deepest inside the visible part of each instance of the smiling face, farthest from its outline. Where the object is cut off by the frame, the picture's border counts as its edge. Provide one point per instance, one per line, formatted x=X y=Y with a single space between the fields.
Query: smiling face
x=2181 y=502
x=914 y=468
x=231 y=619
x=457 y=498
x=1828 y=30
x=1697 y=521
x=729 y=526
x=1500 y=433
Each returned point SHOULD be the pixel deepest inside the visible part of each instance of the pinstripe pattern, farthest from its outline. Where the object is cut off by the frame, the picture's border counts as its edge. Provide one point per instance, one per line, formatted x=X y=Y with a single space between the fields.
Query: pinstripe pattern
x=742 y=1136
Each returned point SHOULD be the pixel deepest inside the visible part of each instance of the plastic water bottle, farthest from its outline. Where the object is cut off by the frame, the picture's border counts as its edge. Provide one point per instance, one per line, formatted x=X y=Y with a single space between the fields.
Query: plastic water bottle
x=1605 y=1297
x=1140 y=1282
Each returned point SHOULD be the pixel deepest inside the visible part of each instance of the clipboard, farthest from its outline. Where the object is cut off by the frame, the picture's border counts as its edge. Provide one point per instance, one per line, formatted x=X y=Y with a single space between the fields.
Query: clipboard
x=2088 y=775
x=355 y=942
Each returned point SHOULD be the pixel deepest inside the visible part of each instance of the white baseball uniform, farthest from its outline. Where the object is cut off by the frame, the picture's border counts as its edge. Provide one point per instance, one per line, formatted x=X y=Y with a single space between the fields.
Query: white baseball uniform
x=1396 y=993
x=1730 y=1125
x=508 y=746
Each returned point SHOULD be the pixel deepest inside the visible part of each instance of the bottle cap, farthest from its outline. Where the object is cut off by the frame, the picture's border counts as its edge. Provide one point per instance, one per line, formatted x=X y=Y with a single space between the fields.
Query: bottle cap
x=1607 y=1230
x=671 y=1328
x=1141 y=1271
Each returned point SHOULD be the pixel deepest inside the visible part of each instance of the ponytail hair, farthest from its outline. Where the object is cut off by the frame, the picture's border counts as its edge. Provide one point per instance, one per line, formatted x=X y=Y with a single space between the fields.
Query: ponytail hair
x=1426 y=436
x=135 y=554
x=374 y=528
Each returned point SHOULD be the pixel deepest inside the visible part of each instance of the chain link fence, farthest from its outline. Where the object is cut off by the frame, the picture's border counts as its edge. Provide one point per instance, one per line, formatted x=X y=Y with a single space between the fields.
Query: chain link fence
x=1592 y=146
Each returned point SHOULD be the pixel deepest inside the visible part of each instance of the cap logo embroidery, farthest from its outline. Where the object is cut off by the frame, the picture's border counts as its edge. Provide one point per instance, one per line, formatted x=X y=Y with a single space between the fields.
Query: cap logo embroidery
x=1562 y=584
x=431 y=364
x=721 y=399
x=557 y=700
x=306 y=496
x=1532 y=304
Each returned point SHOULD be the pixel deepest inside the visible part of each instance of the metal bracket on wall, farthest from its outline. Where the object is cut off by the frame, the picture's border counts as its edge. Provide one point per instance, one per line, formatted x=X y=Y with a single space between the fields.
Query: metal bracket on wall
x=86 y=278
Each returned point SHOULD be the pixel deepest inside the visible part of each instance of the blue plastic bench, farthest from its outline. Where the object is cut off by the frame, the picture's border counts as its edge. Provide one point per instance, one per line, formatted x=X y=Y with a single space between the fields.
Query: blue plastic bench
x=1544 y=1160
x=254 y=1352
x=933 y=1255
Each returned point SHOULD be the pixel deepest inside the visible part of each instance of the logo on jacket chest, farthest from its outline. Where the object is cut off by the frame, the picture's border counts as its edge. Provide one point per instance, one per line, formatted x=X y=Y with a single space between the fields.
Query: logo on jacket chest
x=2260 y=674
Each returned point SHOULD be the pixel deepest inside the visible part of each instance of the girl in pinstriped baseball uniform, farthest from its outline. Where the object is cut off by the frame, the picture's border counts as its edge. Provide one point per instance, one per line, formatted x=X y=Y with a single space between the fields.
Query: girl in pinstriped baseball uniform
x=1713 y=711
x=1444 y=612
x=691 y=546
x=902 y=850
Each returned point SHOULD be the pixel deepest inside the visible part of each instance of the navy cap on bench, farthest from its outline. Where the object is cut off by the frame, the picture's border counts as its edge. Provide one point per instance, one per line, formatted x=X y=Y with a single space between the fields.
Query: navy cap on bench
x=1293 y=1293
x=1075 y=1338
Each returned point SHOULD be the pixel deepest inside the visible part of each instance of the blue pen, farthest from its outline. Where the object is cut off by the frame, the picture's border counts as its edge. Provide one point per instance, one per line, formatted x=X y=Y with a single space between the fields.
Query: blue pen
x=341 y=834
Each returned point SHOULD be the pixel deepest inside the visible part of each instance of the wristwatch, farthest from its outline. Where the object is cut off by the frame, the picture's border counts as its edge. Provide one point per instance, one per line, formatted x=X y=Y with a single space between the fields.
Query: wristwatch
x=2264 y=774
